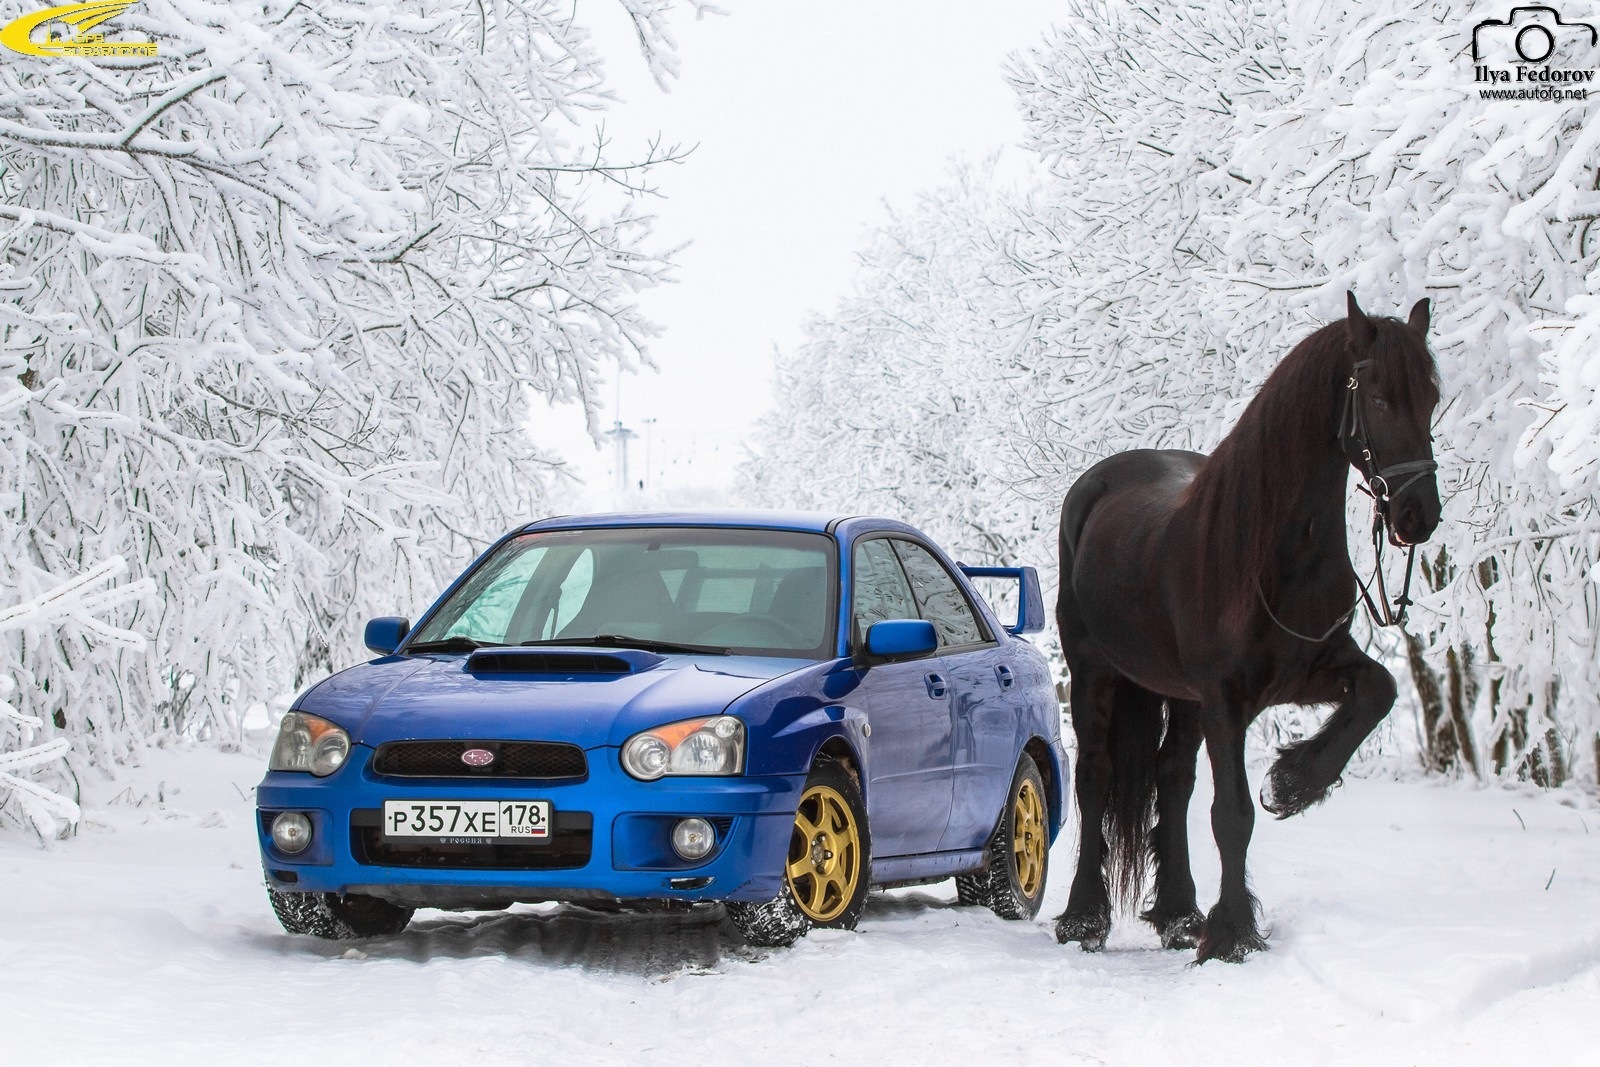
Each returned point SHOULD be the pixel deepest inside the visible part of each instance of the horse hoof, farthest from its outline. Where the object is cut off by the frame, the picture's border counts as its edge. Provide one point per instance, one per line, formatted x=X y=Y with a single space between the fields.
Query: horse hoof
x=1235 y=951
x=1178 y=931
x=1229 y=932
x=1227 y=945
x=1089 y=931
x=1285 y=792
x=1270 y=803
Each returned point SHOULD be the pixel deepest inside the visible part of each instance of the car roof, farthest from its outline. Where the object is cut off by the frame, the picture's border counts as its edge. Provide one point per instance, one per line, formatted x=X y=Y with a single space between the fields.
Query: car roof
x=810 y=521
x=841 y=526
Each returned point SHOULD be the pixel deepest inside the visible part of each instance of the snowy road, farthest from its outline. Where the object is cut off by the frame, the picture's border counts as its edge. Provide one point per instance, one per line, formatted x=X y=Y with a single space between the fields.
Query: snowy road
x=1411 y=923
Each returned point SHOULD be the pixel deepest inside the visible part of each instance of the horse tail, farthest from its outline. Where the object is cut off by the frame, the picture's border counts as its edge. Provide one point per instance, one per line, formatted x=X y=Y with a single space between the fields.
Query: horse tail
x=1133 y=742
x=1134 y=730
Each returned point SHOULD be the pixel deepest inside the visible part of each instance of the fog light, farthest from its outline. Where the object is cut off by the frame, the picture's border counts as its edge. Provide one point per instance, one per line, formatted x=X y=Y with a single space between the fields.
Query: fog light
x=693 y=839
x=291 y=832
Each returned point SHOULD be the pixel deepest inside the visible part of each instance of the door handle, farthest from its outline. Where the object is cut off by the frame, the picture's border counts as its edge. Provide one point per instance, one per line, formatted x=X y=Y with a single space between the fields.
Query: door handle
x=1007 y=679
x=936 y=685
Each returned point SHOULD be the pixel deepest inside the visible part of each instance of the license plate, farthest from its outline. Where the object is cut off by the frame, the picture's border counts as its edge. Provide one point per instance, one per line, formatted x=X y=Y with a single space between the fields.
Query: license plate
x=522 y=820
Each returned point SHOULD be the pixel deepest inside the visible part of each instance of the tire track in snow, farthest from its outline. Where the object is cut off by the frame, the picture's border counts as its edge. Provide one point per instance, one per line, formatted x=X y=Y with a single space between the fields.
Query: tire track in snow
x=1552 y=967
x=646 y=944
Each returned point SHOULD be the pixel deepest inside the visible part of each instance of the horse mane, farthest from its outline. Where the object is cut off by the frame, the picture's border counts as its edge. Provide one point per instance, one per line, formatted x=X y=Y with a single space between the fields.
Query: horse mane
x=1243 y=496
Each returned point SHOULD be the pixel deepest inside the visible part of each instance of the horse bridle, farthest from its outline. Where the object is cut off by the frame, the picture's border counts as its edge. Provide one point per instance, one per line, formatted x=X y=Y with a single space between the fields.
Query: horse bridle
x=1353 y=427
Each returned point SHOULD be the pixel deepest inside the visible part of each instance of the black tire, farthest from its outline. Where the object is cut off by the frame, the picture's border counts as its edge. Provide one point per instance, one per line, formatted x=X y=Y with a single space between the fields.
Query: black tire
x=1012 y=883
x=338 y=917
x=827 y=867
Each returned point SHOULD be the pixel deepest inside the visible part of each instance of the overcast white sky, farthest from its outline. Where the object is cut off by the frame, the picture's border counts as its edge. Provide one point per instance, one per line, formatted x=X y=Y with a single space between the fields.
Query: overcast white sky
x=806 y=117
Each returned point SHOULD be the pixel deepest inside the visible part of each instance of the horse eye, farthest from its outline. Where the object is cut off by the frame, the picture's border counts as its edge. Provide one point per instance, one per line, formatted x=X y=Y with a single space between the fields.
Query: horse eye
x=1380 y=403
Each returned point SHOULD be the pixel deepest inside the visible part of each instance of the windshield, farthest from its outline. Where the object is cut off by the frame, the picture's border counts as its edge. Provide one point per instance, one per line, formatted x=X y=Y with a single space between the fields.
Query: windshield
x=738 y=591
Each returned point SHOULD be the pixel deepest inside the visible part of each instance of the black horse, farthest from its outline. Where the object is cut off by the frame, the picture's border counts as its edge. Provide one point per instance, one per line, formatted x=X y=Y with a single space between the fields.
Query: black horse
x=1197 y=591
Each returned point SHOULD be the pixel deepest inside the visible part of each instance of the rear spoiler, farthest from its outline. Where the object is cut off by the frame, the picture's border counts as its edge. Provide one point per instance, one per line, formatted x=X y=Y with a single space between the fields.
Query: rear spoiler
x=1030 y=601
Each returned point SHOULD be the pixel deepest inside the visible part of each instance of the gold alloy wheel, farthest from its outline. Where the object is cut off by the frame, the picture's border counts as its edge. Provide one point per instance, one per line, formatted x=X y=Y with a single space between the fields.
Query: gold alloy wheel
x=824 y=865
x=1028 y=839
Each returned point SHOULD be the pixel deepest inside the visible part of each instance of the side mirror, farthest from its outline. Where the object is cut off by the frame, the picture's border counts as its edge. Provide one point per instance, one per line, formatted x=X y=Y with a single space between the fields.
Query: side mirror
x=894 y=639
x=1029 y=599
x=384 y=634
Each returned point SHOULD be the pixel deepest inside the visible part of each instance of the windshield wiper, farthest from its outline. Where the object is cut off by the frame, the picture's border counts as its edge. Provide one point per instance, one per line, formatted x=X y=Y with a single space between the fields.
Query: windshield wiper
x=623 y=641
x=457 y=643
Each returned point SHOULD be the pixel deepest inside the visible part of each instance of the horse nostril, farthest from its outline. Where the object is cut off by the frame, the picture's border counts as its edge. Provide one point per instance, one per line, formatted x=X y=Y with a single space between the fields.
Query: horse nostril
x=1414 y=523
x=1410 y=525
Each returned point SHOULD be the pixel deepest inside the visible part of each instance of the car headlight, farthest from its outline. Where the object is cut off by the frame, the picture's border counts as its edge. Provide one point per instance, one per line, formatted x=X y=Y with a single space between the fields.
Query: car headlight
x=713 y=745
x=307 y=743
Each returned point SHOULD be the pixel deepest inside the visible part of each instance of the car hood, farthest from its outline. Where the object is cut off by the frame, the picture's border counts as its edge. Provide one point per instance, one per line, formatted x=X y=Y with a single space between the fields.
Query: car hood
x=401 y=698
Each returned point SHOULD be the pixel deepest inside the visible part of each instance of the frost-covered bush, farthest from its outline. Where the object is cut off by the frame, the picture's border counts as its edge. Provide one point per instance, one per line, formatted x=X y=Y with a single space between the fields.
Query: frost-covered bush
x=280 y=309
x=74 y=618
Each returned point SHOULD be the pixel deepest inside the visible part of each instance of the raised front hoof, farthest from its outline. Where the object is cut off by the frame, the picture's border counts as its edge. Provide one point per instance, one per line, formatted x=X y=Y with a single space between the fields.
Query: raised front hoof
x=1089 y=931
x=1286 y=791
x=1179 y=931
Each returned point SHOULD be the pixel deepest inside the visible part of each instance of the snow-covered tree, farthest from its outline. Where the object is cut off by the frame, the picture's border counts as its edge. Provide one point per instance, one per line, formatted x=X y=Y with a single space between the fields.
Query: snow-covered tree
x=1325 y=147
x=1390 y=174
x=71 y=617
x=280 y=308
x=1219 y=174
x=1132 y=109
x=895 y=403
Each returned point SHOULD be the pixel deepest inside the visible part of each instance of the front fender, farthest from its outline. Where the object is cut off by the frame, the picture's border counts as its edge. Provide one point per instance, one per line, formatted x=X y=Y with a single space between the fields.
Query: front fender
x=795 y=745
x=790 y=719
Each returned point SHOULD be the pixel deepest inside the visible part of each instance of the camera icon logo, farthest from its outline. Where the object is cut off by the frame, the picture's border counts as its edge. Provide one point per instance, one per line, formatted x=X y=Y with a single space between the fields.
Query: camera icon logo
x=1531 y=35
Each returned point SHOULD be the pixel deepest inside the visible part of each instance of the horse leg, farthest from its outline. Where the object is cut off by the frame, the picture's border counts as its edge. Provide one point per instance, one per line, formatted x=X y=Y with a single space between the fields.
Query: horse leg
x=1174 y=913
x=1087 y=919
x=1306 y=771
x=1230 y=929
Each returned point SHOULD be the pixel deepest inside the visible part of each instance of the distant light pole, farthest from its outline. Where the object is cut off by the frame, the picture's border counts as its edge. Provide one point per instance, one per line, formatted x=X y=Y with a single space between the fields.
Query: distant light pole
x=620 y=436
x=649 y=474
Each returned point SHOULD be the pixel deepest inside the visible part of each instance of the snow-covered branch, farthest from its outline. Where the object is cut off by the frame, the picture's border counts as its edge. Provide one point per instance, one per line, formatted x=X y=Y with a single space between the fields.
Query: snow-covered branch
x=75 y=614
x=280 y=315
x=1219 y=174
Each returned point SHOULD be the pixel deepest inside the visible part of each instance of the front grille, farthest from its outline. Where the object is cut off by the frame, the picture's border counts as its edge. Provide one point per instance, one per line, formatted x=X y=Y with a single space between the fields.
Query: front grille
x=547 y=760
x=569 y=845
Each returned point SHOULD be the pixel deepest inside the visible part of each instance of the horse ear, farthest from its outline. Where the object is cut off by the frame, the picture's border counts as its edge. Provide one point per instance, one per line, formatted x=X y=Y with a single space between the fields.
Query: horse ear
x=1419 y=316
x=1362 y=332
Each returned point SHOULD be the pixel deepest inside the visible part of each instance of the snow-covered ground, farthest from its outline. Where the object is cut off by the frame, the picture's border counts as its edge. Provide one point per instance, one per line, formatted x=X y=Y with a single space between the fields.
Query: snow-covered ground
x=1413 y=923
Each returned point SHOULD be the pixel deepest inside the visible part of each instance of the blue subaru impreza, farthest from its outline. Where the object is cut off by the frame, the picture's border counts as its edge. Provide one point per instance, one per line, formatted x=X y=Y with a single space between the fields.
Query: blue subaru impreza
x=773 y=710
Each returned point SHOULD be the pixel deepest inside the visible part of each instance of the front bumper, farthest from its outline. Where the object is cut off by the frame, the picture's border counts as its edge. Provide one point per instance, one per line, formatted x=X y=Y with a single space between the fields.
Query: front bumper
x=611 y=838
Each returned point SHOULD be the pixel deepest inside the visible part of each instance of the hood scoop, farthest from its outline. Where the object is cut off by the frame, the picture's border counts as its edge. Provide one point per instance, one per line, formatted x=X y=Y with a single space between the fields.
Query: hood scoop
x=556 y=660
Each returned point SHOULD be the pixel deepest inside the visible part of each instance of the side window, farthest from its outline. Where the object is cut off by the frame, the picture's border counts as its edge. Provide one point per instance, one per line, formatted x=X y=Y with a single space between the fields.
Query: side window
x=941 y=600
x=881 y=591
